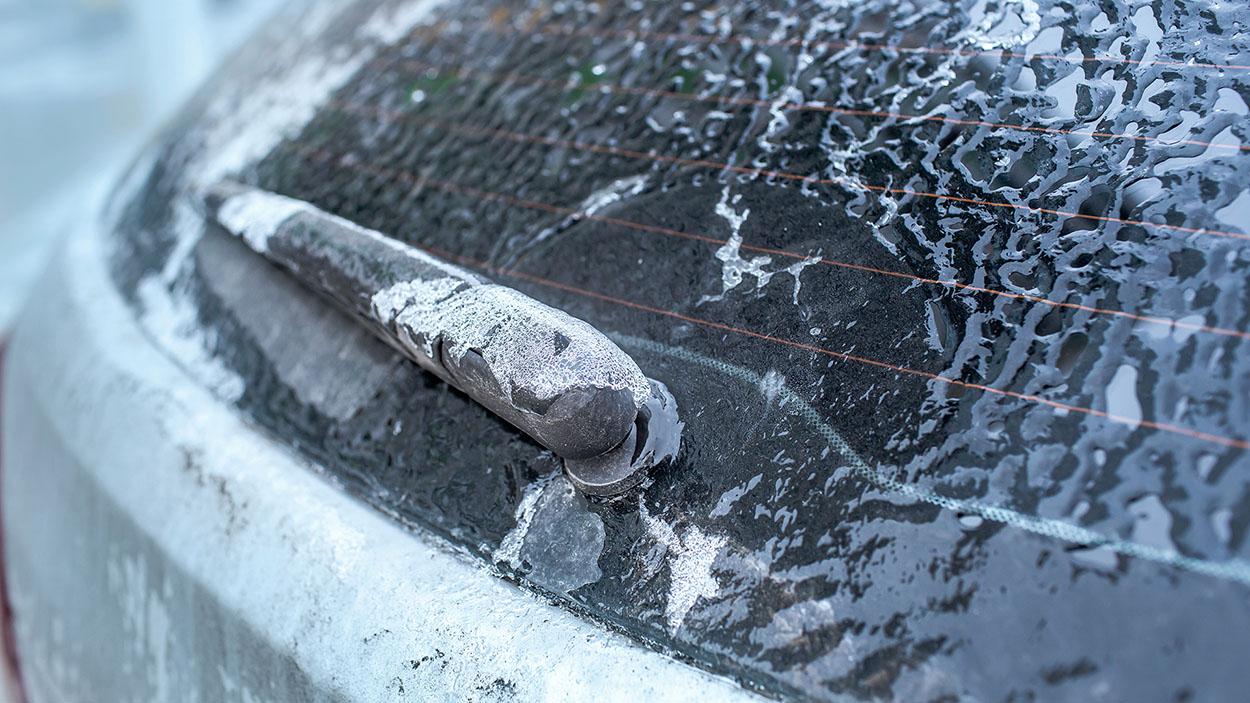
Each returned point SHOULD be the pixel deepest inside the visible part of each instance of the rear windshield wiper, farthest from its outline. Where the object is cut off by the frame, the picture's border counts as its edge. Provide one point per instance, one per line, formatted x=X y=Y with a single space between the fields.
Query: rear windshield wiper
x=549 y=374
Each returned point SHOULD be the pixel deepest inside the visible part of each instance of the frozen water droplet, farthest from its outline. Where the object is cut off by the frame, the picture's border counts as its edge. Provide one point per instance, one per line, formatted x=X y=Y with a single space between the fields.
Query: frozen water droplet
x=1122 y=395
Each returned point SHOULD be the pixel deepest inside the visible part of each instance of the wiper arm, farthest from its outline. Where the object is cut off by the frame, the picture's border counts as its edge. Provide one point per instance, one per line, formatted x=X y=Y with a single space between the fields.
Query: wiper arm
x=549 y=374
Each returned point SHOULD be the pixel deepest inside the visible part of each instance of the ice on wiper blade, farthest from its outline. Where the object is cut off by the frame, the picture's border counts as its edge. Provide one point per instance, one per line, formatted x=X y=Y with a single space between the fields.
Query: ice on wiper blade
x=549 y=374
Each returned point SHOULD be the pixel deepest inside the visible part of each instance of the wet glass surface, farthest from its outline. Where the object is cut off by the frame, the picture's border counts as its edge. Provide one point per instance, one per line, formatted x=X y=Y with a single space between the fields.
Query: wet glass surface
x=951 y=296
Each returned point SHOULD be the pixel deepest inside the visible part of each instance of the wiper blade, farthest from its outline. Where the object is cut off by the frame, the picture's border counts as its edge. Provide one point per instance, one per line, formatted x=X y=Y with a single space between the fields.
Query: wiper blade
x=549 y=374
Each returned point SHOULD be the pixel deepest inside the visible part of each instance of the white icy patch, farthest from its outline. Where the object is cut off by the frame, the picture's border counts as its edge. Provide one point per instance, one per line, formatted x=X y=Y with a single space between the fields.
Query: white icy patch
x=780 y=108
x=1222 y=525
x=1005 y=24
x=556 y=537
x=171 y=321
x=509 y=551
x=690 y=559
x=1152 y=523
x=389 y=25
x=255 y=216
x=613 y=192
x=1122 y=394
x=525 y=343
x=390 y=302
x=771 y=385
x=1236 y=213
x=794 y=622
x=189 y=223
x=733 y=495
x=734 y=267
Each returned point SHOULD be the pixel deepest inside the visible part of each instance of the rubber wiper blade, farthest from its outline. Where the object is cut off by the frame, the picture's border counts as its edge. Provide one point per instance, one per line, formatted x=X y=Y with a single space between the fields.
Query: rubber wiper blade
x=549 y=374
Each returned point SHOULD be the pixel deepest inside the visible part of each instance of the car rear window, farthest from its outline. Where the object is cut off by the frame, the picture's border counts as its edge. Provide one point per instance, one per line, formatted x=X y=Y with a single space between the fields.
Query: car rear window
x=951 y=296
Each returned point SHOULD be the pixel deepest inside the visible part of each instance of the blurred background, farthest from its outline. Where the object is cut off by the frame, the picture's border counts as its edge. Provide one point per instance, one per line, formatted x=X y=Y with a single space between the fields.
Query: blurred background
x=84 y=83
